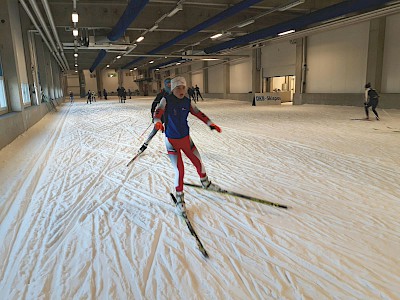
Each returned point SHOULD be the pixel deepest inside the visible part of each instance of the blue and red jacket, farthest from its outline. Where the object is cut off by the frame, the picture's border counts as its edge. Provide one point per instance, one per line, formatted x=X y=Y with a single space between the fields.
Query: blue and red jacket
x=176 y=112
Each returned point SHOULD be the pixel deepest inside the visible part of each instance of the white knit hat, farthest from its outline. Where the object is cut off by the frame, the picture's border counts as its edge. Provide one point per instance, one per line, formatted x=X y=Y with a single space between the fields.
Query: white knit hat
x=177 y=81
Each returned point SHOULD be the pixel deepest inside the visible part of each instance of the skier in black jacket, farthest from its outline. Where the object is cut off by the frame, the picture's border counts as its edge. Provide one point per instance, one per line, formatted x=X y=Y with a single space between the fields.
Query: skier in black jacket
x=371 y=99
x=164 y=92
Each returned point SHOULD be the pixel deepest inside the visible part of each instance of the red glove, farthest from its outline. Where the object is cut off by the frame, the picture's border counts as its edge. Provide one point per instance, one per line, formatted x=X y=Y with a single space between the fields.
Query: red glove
x=159 y=126
x=215 y=127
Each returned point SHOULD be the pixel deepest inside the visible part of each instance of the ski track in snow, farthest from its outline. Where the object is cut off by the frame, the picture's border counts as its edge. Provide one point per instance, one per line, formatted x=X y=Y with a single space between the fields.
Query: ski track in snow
x=76 y=223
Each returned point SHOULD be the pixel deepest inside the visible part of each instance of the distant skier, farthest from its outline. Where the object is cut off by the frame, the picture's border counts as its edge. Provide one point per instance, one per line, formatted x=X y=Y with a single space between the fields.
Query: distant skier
x=71 y=96
x=371 y=99
x=191 y=93
x=89 y=97
x=197 y=91
x=176 y=108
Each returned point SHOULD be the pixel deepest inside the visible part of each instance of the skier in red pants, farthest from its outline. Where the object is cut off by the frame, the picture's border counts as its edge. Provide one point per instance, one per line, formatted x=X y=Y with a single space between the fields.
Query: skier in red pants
x=176 y=108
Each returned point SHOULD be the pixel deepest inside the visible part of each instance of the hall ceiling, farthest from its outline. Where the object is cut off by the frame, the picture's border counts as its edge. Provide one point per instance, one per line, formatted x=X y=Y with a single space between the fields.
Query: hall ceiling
x=98 y=17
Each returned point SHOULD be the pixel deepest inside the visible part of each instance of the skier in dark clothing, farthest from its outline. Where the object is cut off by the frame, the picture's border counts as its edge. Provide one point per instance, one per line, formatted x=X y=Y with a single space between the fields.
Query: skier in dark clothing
x=89 y=97
x=191 y=93
x=105 y=94
x=197 y=91
x=164 y=93
x=371 y=99
x=176 y=108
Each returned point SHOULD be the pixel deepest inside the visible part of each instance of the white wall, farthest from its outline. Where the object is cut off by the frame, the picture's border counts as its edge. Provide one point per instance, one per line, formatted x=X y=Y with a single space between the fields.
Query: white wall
x=337 y=60
x=73 y=84
x=215 y=79
x=278 y=59
x=91 y=83
x=110 y=83
x=197 y=78
x=391 y=61
x=127 y=80
x=240 y=76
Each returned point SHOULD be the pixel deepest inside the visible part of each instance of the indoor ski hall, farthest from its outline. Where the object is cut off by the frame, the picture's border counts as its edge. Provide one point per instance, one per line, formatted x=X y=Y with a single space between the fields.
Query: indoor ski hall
x=274 y=125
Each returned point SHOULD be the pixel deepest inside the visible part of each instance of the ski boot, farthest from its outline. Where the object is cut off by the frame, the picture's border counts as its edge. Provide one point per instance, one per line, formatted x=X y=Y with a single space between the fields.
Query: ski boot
x=180 y=204
x=208 y=185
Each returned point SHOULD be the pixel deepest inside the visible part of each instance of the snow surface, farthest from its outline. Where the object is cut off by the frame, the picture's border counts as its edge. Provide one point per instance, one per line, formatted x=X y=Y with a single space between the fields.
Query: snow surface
x=76 y=223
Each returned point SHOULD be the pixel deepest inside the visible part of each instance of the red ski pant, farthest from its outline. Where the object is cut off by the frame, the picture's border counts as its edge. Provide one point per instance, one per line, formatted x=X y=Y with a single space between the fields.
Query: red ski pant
x=186 y=145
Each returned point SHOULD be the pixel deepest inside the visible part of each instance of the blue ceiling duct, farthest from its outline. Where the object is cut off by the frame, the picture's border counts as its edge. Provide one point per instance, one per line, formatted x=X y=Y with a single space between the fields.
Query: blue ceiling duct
x=99 y=58
x=173 y=61
x=131 y=12
x=337 y=10
x=214 y=20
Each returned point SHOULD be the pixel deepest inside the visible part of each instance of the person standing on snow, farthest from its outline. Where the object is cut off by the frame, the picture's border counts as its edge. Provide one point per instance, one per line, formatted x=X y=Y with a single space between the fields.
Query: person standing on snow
x=71 y=96
x=371 y=99
x=176 y=108
x=89 y=97
x=197 y=91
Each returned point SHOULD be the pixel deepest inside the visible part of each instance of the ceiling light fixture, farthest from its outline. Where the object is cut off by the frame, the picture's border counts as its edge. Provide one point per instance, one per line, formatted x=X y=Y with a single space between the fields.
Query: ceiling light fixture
x=108 y=66
x=75 y=32
x=244 y=24
x=139 y=39
x=175 y=10
x=153 y=28
x=75 y=17
x=290 y=5
x=152 y=61
x=135 y=68
x=215 y=36
x=76 y=54
x=286 y=32
x=119 y=56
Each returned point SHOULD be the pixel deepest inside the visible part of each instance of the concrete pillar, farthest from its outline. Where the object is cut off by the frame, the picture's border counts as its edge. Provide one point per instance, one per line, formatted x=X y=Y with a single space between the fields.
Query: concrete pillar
x=256 y=70
x=226 y=79
x=99 y=80
x=375 y=52
x=300 y=70
x=205 y=77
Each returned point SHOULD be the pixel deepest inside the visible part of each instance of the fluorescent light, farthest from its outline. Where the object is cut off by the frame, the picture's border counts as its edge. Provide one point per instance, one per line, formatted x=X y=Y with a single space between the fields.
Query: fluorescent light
x=157 y=69
x=139 y=39
x=76 y=54
x=178 y=63
x=76 y=65
x=153 y=28
x=215 y=36
x=248 y=22
x=290 y=5
x=75 y=17
x=175 y=10
x=75 y=32
x=286 y=32
x=152 y=61
x=108 y=66
x=119 y=56
x=76 y=71
x=210 y=59
x=130 y=70
x=135 y=68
